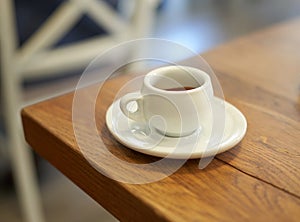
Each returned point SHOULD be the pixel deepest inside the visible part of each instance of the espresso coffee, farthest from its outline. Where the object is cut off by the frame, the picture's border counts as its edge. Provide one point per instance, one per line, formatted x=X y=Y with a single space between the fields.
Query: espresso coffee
x=179 y=95
x=181 y=88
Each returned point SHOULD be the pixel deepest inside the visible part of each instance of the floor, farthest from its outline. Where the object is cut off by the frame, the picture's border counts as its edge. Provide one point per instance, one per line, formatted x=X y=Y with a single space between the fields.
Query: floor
x=198 y=25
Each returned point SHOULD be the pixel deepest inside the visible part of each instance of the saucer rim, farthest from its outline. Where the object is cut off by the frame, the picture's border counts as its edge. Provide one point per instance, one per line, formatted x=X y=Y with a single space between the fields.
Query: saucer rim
x=222 y=147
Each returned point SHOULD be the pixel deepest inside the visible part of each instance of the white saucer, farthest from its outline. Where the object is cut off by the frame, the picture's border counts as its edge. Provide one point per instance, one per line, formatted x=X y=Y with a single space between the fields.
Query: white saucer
x=202 y=143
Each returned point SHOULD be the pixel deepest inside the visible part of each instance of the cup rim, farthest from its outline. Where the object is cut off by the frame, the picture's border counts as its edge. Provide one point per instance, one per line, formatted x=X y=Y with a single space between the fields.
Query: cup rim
x=186 y=68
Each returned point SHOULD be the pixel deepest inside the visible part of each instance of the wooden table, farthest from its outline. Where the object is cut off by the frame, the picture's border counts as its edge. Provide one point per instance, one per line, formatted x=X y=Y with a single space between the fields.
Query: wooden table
x=257 y=180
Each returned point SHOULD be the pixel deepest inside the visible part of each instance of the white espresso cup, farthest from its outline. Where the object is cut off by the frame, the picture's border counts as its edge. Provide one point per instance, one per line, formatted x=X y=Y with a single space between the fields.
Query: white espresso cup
x=175 y=100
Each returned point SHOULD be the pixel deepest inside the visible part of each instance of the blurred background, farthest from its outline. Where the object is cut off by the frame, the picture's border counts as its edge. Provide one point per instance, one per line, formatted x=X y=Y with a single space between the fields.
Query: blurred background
x=198 y=24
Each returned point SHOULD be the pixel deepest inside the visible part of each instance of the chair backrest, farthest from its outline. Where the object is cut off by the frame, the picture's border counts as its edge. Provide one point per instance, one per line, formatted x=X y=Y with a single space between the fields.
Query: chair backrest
x=37 y=58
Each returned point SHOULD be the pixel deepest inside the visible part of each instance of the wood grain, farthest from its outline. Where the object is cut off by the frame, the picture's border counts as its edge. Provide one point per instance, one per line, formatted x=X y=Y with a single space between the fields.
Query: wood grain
x=219 y=192
x=258 y=179
x=260 y=74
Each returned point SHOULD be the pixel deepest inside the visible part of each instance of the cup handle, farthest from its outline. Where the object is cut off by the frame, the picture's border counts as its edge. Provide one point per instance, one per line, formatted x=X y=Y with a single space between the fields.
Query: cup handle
x=138 y=115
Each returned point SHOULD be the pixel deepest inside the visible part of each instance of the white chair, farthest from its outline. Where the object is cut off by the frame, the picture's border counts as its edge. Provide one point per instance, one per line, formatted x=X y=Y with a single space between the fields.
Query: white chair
x=35 y=60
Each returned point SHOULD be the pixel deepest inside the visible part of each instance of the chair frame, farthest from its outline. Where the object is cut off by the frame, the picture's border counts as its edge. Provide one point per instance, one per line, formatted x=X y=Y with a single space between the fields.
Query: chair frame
x=36 y=59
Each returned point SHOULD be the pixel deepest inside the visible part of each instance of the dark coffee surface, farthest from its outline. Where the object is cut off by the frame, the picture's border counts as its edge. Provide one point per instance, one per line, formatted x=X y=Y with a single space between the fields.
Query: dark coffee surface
x=183 y=88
